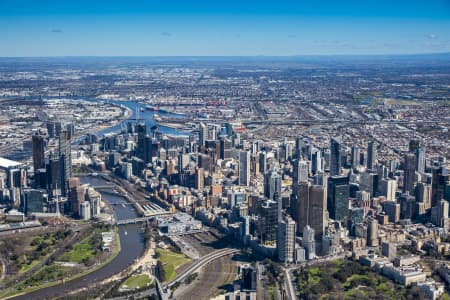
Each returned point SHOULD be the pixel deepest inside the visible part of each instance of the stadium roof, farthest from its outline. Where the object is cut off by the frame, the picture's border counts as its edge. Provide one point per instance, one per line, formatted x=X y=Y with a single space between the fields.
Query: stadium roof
x=6 y=163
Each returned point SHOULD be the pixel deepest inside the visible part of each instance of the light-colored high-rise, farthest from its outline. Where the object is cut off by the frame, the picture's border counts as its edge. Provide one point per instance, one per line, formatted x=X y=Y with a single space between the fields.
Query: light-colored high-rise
x=286 y=240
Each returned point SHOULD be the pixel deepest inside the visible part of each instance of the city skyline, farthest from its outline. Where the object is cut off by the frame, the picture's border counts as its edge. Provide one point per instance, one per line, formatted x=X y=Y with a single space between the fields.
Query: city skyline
x=224 y=150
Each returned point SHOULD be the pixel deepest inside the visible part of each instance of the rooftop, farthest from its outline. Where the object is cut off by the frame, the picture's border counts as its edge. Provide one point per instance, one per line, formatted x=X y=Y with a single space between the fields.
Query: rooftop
x=6 y=163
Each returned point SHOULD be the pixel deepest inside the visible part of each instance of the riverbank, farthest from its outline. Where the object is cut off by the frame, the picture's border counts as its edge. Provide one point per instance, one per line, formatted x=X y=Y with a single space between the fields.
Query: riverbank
x=129 y=235
x=127 y=113
x=113 y=255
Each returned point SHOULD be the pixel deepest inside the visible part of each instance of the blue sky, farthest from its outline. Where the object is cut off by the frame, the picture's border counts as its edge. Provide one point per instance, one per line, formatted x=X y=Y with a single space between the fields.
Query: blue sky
x=245 y=27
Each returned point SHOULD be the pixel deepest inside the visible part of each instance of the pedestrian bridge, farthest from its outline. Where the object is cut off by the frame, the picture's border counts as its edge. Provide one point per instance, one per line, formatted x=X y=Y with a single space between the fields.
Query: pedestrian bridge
x=102 y=187
x=142 y=219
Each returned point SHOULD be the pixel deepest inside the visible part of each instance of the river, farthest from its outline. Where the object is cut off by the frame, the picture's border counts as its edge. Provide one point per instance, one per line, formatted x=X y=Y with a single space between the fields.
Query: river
x=147 y=115
x=131 y=235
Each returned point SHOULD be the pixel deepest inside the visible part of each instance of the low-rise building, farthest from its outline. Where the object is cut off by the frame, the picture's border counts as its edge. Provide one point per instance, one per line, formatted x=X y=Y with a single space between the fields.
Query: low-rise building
x=444 y=271
x=432 y=289
x=404 y=275
x=406 y=260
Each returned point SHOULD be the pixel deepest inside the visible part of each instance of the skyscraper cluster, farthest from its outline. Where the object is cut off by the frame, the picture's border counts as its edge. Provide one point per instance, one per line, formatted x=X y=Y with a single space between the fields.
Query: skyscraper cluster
x=295 y=199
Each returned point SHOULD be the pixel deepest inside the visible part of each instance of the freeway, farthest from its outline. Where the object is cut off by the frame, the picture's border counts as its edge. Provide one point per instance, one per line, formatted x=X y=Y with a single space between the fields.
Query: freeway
x=290 y=122
x=338 y=121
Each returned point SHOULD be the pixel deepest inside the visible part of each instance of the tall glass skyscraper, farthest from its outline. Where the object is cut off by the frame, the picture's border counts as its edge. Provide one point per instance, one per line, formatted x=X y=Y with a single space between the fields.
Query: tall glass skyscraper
x=65 y=161
x=335 y=156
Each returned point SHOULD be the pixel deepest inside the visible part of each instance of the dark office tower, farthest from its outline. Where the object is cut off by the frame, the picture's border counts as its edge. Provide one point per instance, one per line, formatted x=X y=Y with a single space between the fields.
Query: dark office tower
x=141 y=130
x=413 y=145
x=268 y=222
x=440 y=179
x=446 y=191
x=338 y=194
x=407 y=206
x=362 y=158
x=420 y=159
x=248 y=278
x=71 y=130
x=409 y=175
x=33 y=201
x=148 y=149
x=130 y=127
x=263 y=162
x=38 y=152
x=311 y=207
x=191 y=144
x=40 y=178
x=298 y=147
x=229 y=129
x=244 y=168
x=226 y=148
x=355 y=157
x=53 y=129
x=371 y=155
x=54 y=173
x=335 y=156
x=278 y=200
x=113 y=160
x=369 y=182
x=76 y=195
x=272 y=184
x=65 y=161
x=317 y=218
x=300 y=207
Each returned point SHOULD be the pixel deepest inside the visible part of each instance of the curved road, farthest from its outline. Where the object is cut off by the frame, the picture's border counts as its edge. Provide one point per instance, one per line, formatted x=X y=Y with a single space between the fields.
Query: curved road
x=200 y=263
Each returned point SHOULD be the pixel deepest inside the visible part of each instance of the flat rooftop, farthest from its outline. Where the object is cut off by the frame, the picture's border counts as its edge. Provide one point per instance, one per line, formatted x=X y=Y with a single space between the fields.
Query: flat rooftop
x=6 y=163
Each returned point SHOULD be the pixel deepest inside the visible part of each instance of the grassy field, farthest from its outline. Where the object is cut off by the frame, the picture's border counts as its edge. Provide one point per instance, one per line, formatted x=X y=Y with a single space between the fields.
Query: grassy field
x=137 y=282
x=171 y=261
x=86 y=250
x=52 y=275
x=348 y=280
x=79 y=252
x=34 y=250
x=26 y=267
